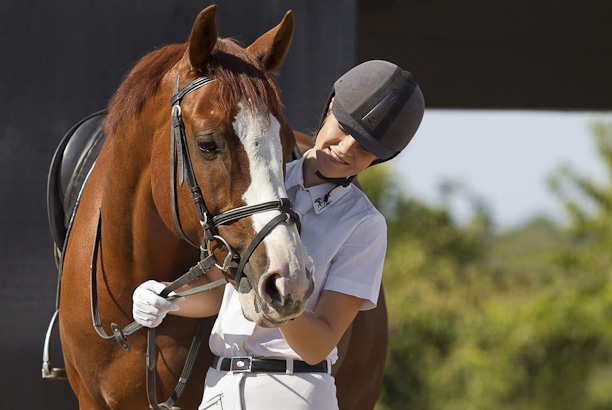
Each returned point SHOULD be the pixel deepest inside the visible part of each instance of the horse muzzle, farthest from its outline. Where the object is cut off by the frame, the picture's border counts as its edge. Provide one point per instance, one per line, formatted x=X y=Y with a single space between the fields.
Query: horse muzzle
x=278 y=298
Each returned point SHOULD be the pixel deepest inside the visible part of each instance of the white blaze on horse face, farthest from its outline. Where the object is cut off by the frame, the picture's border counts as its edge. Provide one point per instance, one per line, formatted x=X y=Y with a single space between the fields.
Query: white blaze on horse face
x=260 y=137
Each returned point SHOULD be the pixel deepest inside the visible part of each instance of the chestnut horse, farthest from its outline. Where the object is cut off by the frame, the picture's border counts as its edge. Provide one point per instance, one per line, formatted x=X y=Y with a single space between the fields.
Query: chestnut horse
x=226 y=117
x=128 y=195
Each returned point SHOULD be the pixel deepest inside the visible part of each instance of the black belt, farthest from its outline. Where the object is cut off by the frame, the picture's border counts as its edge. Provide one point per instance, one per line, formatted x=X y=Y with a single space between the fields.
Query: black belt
x=253 y=364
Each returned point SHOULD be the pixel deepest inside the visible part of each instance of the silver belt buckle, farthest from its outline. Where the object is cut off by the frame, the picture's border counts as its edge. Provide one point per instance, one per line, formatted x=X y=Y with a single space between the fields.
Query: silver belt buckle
x=240 y=364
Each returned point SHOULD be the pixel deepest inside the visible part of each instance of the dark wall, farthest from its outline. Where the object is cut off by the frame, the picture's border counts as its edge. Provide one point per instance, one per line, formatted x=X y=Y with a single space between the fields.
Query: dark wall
x=525 y=54
x=62 y=60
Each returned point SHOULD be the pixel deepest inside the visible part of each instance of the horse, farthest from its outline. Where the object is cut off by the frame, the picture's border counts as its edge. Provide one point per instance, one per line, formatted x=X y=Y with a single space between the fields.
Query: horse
x=207 y=112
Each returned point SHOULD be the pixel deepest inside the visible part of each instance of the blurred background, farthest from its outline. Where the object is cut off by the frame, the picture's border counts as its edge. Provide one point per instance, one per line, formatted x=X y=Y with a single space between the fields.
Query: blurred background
x=499 y=211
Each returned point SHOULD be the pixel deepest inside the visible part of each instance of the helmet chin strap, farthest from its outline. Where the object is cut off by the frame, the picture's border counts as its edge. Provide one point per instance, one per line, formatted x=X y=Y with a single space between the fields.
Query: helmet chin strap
x=338 y=181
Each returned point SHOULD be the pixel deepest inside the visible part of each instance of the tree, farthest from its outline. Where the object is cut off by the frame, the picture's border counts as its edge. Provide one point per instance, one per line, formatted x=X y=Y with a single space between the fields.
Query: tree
x=480 y=320
x=429 y=281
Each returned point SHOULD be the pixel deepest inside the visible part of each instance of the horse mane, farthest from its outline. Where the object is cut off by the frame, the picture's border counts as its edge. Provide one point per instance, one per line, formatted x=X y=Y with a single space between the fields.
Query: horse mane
x=238 y=75
x=141 y=83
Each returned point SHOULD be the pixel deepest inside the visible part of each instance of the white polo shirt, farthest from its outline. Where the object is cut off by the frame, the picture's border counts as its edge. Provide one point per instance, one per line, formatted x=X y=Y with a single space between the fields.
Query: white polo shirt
x=347 y=239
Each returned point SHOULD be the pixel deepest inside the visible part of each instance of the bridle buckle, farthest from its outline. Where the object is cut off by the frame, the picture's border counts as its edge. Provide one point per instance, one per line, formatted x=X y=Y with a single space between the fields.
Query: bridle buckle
x=176 y=111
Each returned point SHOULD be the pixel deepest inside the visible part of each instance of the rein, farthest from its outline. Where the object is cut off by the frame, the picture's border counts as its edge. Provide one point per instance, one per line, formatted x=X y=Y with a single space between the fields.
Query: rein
x=233 y=264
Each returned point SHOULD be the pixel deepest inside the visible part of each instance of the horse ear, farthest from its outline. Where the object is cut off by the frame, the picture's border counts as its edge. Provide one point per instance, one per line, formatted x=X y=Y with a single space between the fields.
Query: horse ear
x=203 y=37
x=272 y=47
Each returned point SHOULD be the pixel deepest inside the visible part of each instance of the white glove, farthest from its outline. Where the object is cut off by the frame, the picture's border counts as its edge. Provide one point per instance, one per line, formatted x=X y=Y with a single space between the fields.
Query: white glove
x=149 y=309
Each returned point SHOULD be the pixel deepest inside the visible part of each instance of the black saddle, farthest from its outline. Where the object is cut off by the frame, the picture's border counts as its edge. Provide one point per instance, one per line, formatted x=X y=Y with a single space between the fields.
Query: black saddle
x=73 y=160
x=71 y=164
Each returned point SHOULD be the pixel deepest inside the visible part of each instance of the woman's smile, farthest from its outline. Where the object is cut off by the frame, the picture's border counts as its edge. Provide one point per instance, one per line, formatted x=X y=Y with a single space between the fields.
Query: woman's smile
x=335 y=157
x=336 y=154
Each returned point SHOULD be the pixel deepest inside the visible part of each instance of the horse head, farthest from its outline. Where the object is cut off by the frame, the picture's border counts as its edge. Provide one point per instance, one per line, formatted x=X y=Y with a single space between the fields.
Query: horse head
x=226 y=105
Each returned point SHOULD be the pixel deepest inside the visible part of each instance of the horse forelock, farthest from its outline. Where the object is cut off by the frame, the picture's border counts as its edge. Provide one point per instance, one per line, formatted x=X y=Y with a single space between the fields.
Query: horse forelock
x=239 y=77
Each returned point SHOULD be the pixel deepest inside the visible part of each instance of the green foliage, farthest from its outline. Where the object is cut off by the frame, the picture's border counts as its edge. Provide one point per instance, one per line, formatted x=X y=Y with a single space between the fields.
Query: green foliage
x=589 y=206
x=519 y=320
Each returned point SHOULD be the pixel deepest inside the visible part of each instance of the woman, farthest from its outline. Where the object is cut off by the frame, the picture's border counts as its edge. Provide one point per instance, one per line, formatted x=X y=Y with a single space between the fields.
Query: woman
x=371 y=115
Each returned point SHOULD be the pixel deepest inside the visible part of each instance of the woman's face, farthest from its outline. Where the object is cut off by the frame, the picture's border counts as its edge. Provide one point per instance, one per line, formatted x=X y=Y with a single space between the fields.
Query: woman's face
x=338 y=154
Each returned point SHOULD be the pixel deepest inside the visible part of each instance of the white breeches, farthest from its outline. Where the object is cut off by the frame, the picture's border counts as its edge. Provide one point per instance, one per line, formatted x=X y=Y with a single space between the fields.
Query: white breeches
x=265 y=391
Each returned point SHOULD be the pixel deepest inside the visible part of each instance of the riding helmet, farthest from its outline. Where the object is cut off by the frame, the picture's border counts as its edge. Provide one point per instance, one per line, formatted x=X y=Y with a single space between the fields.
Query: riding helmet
x=380 y=105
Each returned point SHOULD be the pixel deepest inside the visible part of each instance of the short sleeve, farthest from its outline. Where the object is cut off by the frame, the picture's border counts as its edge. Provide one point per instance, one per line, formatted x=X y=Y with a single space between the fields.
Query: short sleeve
x=357 y=267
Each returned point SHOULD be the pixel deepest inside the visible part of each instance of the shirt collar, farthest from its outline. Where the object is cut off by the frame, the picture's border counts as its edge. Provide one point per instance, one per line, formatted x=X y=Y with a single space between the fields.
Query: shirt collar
x=321 y=195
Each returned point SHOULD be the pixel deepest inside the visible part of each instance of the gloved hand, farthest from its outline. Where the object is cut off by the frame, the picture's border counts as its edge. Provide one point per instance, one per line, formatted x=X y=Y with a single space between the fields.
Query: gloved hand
x=149 y=309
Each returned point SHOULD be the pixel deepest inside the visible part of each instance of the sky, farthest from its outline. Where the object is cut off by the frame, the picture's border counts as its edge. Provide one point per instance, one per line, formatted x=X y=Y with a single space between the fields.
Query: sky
x=504 y=158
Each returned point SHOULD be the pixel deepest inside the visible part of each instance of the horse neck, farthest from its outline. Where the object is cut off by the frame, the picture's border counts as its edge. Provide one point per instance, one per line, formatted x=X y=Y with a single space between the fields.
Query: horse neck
x=133 y=230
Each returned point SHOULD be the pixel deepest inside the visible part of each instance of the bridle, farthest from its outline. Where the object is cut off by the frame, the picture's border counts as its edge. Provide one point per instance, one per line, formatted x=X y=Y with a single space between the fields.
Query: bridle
x=233 y=263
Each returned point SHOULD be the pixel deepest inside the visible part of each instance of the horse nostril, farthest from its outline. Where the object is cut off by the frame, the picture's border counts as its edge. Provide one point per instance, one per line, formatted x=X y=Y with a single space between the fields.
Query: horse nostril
x=271 y=293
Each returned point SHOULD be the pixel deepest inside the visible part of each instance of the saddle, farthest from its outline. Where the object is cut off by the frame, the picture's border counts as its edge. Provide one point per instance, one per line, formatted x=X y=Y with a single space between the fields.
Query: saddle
x=73 y=160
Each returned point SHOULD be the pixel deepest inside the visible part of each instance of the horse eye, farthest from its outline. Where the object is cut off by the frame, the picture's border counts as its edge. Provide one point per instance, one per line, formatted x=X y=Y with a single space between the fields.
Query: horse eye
x=207 y=145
